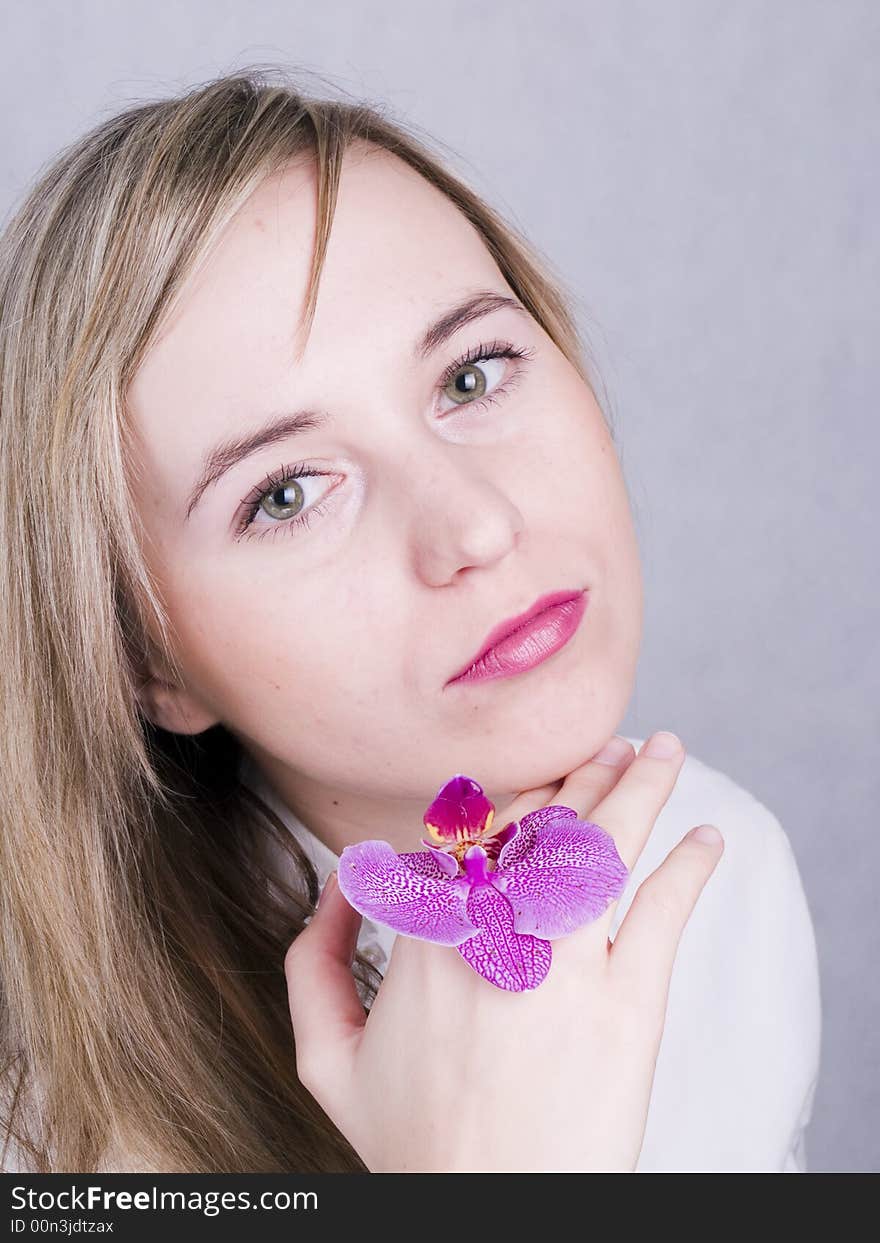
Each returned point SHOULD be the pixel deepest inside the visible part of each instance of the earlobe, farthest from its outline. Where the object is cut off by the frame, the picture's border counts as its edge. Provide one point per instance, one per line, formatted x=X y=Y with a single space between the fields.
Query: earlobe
x=173 y=708
x=161 y=691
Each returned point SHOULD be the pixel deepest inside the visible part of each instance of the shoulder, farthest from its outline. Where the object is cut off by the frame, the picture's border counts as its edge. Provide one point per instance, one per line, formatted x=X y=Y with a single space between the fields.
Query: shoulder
x=751 y=927
x=758 y=854
x=744 y=1020
x=754 y=902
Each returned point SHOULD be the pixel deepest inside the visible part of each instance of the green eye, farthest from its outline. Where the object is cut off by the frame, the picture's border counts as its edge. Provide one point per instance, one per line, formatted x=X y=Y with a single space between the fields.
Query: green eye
x=287 y=508
x=469 y=382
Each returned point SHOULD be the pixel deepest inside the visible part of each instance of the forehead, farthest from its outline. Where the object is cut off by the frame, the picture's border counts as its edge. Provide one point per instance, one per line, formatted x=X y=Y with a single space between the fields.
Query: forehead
x=398 y=251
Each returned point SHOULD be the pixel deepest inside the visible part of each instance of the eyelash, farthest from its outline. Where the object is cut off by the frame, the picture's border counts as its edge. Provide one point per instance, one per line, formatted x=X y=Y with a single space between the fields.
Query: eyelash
x=479 y=353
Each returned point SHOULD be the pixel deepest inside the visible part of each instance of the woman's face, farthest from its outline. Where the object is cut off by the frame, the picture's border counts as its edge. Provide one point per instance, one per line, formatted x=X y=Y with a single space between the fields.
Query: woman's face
x=324 y=634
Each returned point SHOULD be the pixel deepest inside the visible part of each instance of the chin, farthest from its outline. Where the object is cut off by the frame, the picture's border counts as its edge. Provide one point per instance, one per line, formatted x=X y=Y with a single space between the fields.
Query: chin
x=505 y=775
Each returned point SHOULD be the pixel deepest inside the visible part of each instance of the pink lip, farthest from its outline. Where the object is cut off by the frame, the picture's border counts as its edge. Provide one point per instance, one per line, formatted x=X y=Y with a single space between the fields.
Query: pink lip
x=522 y=642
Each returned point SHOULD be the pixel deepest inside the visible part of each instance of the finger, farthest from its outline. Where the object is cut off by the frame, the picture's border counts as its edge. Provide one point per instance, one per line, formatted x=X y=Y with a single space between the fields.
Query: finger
x=582 y=788
x=585 y=787
x=629 y=810
x=325 y=1009
x=643 y=952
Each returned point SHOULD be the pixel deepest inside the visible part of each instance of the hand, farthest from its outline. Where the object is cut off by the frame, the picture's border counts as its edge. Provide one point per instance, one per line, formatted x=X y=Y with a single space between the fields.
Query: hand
x=449 y=1073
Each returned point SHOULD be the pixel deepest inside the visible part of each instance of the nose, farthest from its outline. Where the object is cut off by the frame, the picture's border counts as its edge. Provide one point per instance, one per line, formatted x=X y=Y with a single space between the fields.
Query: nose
x=463 y=516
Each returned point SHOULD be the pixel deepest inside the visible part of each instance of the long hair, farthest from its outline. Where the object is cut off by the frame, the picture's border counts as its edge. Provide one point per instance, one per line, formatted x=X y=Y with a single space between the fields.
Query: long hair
x=144 y=1022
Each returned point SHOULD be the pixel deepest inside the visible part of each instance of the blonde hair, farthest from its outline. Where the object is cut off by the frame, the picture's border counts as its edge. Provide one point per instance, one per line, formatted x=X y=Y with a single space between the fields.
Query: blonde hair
x=143 y=1006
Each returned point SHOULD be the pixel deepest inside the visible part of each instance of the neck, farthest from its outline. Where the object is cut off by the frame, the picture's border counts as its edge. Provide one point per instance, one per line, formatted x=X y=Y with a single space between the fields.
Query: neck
x=339 y=817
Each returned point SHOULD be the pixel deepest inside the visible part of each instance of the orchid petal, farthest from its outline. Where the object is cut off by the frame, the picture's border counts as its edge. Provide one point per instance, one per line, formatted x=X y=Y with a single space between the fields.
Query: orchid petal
x=460 y=811
x=568 y=877
x=447 y=862
x=517 y=847
x=497 y=953
x=503 y=836
x=408 y=892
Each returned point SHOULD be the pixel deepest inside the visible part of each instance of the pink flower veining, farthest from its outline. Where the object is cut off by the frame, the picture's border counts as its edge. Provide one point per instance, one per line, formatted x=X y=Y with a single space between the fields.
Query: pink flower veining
x=499 y=898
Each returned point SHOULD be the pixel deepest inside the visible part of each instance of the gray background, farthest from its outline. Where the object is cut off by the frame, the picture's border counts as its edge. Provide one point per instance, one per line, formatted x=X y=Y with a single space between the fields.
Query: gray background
x=705 y=177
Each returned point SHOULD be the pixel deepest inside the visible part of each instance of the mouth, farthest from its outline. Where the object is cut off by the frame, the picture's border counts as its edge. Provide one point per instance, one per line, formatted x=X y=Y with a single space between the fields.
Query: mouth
x=521 y=642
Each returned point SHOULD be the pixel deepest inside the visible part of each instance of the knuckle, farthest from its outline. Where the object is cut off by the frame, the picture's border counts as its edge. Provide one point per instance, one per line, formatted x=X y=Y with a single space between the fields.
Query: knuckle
x=307 y=1071
x=643 y=776
x=293 y=954
x=650 y=781
x=666 y=901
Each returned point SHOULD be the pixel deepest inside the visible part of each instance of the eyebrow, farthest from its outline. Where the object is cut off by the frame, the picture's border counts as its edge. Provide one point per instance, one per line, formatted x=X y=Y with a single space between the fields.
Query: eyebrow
x=230 y=452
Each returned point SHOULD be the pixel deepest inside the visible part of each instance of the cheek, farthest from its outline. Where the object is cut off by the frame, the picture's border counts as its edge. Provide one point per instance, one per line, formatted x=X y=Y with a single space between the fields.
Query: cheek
x=580 y=483
x=589 y=500
x=275 y=653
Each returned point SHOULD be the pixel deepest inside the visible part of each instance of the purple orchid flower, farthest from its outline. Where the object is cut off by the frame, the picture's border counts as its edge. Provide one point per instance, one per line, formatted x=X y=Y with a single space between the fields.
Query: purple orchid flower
x=498 y=897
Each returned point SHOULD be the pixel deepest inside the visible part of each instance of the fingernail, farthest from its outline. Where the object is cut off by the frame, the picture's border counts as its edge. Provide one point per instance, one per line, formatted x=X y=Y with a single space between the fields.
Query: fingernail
x=328 y=884
x=663 y=745
x=614 y=752
x=706 y=833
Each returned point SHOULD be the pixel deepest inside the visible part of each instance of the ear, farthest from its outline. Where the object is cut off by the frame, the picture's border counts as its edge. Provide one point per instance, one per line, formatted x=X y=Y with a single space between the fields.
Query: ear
x=170 y=706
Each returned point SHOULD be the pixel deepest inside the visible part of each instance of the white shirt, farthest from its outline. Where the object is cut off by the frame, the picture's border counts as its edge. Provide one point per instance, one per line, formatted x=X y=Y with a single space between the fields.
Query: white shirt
x=738 y=1064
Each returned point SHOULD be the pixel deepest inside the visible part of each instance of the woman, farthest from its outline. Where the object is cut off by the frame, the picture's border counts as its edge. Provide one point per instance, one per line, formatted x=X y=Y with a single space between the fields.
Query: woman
x=288 y=523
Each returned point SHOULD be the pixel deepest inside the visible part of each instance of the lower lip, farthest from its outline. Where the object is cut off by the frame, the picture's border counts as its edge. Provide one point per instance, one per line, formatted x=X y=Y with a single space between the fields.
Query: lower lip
x=531 y=645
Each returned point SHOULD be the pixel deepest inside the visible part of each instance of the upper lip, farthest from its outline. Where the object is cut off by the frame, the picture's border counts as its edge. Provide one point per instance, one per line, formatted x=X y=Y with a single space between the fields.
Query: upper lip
x=506 y=628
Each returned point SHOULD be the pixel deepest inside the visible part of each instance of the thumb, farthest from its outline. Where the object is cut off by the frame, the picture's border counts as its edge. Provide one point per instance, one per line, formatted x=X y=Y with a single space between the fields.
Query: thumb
x=643 y=952
x=325 y=1008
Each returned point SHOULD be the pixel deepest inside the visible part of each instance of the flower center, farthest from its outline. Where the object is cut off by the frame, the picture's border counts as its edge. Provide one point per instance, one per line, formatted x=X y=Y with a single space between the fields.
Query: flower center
x=490 y=844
